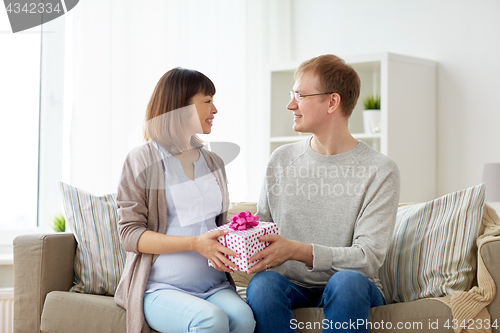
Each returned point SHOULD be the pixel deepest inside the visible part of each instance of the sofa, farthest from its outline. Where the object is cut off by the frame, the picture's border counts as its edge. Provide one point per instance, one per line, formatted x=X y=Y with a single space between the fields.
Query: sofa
x=43 y=274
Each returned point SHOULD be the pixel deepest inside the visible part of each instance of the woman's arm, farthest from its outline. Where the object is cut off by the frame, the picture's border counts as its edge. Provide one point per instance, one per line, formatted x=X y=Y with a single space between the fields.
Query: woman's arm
x=206 y=244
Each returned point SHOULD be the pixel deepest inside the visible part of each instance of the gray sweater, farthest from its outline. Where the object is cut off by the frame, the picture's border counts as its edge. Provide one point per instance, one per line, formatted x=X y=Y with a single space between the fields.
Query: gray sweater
x=345 y=205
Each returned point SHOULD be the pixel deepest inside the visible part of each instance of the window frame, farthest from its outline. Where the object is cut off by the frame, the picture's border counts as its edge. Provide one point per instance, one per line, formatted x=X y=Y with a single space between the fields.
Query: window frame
x=50 y=136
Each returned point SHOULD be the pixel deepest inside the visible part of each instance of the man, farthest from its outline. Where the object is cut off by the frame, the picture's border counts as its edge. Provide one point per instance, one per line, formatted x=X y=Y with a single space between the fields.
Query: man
x=334 y=200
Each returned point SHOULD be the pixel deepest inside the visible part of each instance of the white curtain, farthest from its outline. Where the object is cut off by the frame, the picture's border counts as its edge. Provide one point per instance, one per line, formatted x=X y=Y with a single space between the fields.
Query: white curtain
x=119 y=51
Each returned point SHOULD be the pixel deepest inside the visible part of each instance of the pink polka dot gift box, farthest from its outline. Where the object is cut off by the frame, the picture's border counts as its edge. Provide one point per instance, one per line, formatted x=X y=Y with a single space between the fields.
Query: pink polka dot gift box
x=243 y=238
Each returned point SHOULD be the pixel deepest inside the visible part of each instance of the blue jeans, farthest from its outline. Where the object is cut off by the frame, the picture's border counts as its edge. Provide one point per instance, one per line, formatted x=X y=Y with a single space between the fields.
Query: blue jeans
x=174 y=311
x=346 y=300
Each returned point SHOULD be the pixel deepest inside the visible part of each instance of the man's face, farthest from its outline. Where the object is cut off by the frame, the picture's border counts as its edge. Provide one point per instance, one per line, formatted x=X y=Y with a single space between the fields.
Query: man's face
x=309 y=113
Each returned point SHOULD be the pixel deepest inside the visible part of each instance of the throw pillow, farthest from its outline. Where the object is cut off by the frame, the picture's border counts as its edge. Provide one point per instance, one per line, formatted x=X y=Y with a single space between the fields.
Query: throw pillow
x=99 y=257
x=433 y=248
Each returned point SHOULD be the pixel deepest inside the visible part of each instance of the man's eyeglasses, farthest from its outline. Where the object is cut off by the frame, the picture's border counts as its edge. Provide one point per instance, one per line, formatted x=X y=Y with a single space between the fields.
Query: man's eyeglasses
x=298 y=97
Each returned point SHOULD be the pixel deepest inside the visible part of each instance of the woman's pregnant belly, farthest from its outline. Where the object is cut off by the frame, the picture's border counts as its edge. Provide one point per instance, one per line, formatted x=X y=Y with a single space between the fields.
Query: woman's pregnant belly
x=188 y=271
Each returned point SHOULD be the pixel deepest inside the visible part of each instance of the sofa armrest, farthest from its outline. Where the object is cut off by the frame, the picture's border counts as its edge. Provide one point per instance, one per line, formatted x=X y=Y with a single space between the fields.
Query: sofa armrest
x=42 y=263
x=490 y=252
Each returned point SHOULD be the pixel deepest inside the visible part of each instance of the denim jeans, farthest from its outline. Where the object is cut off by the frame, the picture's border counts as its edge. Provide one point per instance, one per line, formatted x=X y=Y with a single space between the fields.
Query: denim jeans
x=174 y=311
x=346 y=301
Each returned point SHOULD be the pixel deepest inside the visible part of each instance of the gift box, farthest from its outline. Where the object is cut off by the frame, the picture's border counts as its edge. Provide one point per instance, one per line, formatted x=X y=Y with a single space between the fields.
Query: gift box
x=243 y=238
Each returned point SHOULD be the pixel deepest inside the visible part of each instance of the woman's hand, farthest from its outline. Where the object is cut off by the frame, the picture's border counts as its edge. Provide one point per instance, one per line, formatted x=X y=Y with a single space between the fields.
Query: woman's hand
x=208 y=246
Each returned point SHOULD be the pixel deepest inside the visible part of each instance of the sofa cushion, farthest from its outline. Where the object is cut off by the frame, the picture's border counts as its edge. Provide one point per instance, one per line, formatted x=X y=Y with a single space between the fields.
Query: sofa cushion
x=99 y=257
x=63 y=311
x=241 y=280
x=433 y=248
x=405 y=317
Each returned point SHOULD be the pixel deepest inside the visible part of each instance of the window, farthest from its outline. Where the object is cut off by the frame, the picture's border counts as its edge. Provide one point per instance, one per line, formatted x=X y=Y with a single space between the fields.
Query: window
x=19 y=125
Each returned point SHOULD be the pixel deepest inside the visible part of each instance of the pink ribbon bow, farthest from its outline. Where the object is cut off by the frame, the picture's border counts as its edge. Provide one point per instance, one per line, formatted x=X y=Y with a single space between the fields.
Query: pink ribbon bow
x=243 y=221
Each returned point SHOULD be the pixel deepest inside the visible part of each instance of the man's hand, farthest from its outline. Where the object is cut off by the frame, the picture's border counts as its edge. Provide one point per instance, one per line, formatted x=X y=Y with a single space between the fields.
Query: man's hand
x=208 y=246
x=280 y=250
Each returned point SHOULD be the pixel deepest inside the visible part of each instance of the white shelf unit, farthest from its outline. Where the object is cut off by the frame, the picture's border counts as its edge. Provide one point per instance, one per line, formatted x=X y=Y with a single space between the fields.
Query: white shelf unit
x=407 y=89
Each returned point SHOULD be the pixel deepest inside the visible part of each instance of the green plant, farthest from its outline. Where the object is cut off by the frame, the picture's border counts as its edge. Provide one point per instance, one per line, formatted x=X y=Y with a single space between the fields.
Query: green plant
x=59 y=223
x=372 y=102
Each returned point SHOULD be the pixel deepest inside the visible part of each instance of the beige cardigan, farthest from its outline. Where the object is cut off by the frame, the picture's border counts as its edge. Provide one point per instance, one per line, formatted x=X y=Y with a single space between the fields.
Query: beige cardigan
x=142 y=206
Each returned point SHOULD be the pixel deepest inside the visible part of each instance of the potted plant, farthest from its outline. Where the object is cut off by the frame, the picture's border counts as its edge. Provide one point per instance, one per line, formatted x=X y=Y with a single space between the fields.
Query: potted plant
x=59 y=223
x=371 y=114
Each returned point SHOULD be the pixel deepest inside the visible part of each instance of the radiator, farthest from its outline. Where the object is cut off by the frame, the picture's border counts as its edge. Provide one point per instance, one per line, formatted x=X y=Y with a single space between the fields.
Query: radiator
x=6 y=310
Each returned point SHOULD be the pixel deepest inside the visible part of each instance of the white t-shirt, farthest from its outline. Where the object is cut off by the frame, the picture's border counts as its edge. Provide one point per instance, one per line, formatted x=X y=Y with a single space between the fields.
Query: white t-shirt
x=192 y=207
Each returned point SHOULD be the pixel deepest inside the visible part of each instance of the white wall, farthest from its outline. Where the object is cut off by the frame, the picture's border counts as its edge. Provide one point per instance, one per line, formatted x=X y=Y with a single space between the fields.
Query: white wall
x=463 y=36
x=121 y=51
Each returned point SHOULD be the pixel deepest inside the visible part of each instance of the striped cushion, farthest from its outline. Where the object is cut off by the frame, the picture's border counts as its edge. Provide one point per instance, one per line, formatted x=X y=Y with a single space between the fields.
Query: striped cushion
x=433 y=248
x=99 y=257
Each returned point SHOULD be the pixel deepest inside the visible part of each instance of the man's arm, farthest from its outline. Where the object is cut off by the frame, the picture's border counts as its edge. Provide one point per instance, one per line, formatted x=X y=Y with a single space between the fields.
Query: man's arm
x=372 y=232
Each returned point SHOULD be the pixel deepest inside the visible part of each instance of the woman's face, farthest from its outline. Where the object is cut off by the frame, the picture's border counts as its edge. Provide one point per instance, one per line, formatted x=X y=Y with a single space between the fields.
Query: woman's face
x=206 y=111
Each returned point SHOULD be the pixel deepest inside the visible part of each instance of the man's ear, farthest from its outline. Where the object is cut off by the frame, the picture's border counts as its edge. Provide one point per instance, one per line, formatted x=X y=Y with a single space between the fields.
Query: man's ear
x=334 y=103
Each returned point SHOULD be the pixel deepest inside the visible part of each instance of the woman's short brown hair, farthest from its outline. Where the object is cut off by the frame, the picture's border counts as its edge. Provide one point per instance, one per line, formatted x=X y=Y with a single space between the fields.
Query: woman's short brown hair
x=174 y=92
x=334 y=75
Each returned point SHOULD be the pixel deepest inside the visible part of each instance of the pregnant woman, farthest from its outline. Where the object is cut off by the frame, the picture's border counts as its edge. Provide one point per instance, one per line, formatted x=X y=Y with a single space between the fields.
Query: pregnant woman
x=171 y=192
